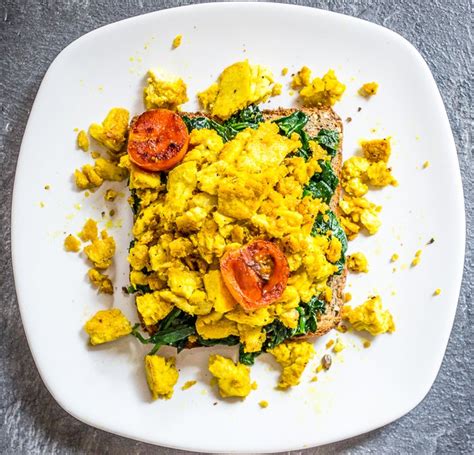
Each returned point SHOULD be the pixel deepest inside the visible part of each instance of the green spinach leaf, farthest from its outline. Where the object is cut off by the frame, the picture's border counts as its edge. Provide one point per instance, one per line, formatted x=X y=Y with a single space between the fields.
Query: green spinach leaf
x=231 y=340
x=199 y=123
x=173 y=336
x=323 y=184
x=293 y=123
x=322 y=226
x=247 y=358
x=174 y=330
x=249 y=117
x=141 y=288
x=276 y=334
x=307 y=323
x=328 y=140
x=135 y=201
x=309 y=312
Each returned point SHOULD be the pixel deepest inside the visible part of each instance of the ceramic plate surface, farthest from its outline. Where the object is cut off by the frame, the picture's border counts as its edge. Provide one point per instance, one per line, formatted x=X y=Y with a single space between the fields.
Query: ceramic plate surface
x=365 y=388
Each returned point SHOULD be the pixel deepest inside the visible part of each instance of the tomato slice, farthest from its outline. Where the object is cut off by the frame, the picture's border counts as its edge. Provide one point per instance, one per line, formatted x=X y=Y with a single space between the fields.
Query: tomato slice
x=158 y=140
x=256 y=274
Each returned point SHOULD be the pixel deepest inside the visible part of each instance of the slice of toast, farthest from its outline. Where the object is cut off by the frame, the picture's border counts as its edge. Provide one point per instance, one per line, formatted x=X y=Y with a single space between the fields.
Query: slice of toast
x=319 y=118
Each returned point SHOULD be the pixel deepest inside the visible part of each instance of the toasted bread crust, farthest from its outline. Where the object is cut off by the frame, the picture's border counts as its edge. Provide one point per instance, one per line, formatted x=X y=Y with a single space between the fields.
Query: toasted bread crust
x=318 y=118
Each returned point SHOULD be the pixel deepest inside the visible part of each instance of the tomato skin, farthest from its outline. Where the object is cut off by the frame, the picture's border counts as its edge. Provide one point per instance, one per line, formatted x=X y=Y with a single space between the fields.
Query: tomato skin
x=242 y=274
x=158 y=140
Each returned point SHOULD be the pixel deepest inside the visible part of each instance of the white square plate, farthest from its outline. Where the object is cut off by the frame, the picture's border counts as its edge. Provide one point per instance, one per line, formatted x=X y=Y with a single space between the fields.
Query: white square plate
x=365 y=388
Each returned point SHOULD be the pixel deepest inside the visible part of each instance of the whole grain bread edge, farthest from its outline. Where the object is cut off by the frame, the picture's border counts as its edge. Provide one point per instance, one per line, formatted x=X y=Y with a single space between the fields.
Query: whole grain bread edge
x=318 y=118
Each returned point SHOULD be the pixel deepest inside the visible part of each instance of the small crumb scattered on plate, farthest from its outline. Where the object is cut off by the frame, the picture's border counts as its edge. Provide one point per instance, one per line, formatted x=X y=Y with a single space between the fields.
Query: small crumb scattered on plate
x=368 y=89
x=416 y=259
x=339 y=346
x=188 y=384
x=177 y=41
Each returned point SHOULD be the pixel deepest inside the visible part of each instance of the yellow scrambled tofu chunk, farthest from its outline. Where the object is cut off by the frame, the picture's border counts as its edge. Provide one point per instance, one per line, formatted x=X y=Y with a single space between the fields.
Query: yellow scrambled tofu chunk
x=378 y=174
x=152 y=308
x=100 y=281
x=302 y=78
x=259 y=318
x=238 y=86
x=277 y=89
x=357 y=213
x=107 y=325
x=215 y=326
x=112 y=133
x=161 y=375
x=233 y=379
x=252 y=338
x=334 y=250
x=72 y=244
x=87 y=178
x=217 y=292
x=101 y=251
x=368 y=89
x=164 y=91
x=377 y=149
x=89 y=231
x=356 y=175
x=182 y=282
x=140 y=179
x=83 y=140
x=370 y=316
x=293 y=356
x=90 y=177
x=358 y=172
x=357 y=262
x=108 y=170
x=138 y=256
x=324 y=91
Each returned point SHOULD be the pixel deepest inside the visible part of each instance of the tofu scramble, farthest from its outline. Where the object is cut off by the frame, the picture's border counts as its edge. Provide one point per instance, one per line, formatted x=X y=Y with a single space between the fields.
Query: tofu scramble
x=222 y=196
x=358 y=174
x=241 y=179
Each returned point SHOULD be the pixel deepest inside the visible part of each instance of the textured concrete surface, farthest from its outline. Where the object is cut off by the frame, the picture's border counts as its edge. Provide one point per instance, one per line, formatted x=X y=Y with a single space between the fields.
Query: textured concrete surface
x=33 y=32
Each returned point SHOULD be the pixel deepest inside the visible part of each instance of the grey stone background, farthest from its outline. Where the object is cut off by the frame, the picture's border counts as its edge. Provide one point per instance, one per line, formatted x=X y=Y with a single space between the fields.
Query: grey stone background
x=33 y=32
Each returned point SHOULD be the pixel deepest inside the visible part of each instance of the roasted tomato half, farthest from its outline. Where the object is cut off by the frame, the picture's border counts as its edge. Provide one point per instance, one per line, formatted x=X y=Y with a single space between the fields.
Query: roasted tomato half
x=256 y=274
x=158 y=140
